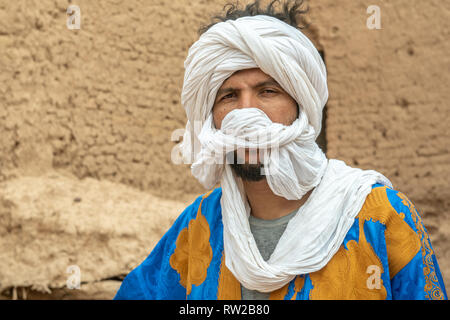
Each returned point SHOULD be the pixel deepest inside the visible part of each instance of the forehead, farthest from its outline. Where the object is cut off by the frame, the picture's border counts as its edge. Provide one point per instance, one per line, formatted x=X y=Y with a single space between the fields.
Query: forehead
x=246 y=77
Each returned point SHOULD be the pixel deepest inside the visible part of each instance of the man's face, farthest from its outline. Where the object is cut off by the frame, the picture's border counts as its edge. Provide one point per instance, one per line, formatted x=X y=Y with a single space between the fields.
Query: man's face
x=252 y=88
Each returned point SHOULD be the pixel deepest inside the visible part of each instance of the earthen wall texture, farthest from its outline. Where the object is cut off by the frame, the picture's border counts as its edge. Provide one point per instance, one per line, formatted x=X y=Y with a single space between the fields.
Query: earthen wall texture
x=104 y=100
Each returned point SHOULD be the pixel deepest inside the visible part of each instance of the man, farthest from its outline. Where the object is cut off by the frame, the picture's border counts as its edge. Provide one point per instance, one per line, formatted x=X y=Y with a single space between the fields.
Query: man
x=287 y=223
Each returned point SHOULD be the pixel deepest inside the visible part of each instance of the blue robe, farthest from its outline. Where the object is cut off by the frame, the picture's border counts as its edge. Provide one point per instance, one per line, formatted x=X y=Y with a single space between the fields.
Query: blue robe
x=386 y=254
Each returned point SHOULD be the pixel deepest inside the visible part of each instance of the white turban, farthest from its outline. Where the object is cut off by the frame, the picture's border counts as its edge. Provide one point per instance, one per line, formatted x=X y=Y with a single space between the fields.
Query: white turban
x=294 y=164
x=278 y=49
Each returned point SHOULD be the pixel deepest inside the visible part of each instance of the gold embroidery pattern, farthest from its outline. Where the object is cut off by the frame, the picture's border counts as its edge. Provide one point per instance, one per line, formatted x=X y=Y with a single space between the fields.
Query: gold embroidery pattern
x=193 y=253
x=345 y=276
x=299 y=283
x=432 y=289
x=229 y=287
x=280 y=294
x=402 y=243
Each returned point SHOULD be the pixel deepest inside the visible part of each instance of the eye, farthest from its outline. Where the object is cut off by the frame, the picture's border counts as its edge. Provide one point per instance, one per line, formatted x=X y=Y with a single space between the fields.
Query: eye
x=227 y=96
x=268 y=91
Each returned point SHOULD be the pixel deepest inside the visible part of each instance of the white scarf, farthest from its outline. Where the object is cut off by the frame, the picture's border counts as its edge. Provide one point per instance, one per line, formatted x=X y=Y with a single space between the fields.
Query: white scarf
x=294 y=165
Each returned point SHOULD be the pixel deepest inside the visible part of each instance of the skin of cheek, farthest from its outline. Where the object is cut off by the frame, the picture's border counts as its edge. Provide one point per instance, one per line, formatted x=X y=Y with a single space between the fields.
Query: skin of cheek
x=284 y=115
x=218 y=115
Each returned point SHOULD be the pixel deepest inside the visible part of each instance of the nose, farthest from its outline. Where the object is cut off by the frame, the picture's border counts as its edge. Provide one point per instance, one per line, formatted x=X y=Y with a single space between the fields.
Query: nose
x=247 y=100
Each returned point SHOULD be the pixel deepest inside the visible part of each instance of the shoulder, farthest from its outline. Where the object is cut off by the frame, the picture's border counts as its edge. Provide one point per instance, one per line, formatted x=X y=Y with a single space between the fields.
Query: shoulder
x=402 y=225
x=208 y=204
x=162 y=275
x=385 y=204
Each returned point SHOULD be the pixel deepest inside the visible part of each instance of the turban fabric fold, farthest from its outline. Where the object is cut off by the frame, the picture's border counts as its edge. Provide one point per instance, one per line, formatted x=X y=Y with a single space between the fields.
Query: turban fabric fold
x=294 y=163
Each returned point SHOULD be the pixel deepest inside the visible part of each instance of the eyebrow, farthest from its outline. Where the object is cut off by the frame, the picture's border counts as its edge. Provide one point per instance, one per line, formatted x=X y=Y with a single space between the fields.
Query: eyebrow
x=264 y=83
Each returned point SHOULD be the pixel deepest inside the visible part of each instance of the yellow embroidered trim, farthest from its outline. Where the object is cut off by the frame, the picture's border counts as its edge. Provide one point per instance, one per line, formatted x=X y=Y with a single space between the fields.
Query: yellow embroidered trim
x=432 y=289
x=193 y=253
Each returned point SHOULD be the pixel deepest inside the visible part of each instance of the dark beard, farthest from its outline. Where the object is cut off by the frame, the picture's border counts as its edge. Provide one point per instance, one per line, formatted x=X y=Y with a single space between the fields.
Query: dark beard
x=249 y=172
